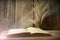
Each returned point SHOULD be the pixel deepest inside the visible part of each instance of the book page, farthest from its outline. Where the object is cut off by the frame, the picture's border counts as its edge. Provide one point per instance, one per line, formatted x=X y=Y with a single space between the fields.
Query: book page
x=16 y=31
x=35 y=30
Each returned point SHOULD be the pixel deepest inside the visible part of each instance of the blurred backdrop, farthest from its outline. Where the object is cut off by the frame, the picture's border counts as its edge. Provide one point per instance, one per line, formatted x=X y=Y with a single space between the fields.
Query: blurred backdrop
x=15 y=13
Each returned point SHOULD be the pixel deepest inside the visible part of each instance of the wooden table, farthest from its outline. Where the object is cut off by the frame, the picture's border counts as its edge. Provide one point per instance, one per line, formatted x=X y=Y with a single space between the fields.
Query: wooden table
x=55 y=34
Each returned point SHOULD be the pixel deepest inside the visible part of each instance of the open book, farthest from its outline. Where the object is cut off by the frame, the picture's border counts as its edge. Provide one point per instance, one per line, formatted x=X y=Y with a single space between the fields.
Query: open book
x=28 y=32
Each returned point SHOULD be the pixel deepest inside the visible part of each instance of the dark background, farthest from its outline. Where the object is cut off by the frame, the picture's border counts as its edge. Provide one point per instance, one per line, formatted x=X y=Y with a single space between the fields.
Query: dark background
x=52 y=19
